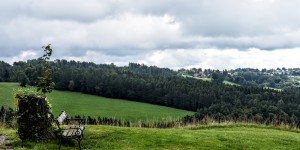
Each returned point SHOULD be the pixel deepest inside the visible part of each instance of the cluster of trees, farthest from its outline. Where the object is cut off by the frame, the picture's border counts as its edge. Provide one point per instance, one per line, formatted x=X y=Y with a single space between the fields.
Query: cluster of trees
x=5 y=72
x=281 y=78
x=263 y=106
x=162 y=86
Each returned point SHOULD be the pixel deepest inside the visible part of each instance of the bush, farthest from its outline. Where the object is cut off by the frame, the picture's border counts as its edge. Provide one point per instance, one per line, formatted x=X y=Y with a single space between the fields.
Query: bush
x=33 y=110
x=33 y=116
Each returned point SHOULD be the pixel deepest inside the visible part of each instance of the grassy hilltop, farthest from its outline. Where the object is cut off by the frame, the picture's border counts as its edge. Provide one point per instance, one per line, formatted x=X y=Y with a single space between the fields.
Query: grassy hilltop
x=219 y=137
x=89 y=105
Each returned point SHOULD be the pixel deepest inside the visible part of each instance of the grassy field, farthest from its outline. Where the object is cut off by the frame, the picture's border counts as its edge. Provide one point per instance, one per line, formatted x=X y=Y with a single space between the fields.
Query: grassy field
x=276 y=89
x=297 y=78
x=230 y=83
x=209 y=79
x=219 y=137
x=6 y=94
x=82 y=104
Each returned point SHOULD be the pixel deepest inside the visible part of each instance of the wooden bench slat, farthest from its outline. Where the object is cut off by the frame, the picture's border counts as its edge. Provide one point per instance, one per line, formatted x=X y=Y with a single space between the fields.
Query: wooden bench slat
x=72 y=132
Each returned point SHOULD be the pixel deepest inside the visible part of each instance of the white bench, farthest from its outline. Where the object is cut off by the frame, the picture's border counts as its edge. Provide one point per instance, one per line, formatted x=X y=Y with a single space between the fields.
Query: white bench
x=73 y=130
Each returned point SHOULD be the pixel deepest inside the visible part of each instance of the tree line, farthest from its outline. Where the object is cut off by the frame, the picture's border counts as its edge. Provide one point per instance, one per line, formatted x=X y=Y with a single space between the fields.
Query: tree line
x=162 y=86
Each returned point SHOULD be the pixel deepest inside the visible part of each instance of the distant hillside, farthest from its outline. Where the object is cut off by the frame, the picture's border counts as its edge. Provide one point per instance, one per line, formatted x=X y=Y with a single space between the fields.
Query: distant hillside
x=88 y=105
x=280 y=78
x=162 y=86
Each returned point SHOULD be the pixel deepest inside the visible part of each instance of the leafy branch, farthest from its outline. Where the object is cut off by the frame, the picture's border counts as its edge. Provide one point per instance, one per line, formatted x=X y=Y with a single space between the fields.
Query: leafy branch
x=45 y=83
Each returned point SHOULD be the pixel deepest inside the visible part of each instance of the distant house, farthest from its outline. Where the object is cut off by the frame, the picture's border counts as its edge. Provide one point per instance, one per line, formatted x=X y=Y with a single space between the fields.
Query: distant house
x=203 y=75
x=196 y=75
x=200 y=75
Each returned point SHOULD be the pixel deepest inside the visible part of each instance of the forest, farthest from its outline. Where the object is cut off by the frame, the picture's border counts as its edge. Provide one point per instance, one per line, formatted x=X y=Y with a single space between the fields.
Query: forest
x=280 y=78
x=163 y=86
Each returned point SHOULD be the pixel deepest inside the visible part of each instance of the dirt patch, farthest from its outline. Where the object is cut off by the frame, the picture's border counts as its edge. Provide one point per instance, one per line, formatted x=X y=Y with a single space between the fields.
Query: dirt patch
x=3 y=143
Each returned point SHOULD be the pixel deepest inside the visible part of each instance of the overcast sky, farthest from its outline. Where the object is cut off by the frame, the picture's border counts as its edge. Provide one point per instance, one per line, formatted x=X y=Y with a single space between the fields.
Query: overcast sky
x=218 y=34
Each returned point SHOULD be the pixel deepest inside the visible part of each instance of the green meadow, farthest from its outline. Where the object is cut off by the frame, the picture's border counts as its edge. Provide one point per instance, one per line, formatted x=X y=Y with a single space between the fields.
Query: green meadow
x=217 y=137
x=89 y=105
x=209 y=80
x=6 y=94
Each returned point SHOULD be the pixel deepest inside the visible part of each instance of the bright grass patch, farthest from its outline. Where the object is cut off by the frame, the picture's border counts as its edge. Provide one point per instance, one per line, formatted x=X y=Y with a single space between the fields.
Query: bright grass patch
x=75 y=103
x=6 y=94
x=230 y=83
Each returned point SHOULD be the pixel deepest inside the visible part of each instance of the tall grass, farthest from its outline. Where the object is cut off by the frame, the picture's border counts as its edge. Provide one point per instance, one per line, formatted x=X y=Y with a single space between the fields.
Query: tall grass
x=210 y=122
x=187 y=122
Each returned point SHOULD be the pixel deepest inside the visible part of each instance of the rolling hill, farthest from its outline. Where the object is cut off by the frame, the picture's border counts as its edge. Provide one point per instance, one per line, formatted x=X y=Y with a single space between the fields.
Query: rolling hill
x=75 y=103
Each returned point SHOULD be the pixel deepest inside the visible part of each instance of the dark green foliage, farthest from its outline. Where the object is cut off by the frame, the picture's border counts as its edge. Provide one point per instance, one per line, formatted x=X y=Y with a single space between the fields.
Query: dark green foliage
x=5 y=74
x=274 y=78
x=217 y=77
x=23 y=79
x=34 y=117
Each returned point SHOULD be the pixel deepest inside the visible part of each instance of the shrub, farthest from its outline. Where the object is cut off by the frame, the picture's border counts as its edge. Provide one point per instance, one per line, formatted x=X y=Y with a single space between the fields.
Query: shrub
x=33 y=110
x=34 y=117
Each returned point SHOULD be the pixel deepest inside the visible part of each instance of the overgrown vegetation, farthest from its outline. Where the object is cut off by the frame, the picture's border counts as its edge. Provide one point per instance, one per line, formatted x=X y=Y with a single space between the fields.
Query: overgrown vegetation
x=34 y=117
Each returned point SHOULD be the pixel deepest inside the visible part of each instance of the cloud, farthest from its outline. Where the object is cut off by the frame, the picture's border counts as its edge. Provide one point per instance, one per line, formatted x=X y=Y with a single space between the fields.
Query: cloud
x=121 y=35
x=125 y=30
x=23 y=56
x=101 y=58
x=187 y=58
x=202 y=58
x=224 y=59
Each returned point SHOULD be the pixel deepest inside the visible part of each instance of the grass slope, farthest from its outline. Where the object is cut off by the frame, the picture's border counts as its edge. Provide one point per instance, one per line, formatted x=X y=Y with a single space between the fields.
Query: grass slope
x=6 y=94
x=209 y=80
x=89 y=105
x=228 y=82
x=209 y=137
